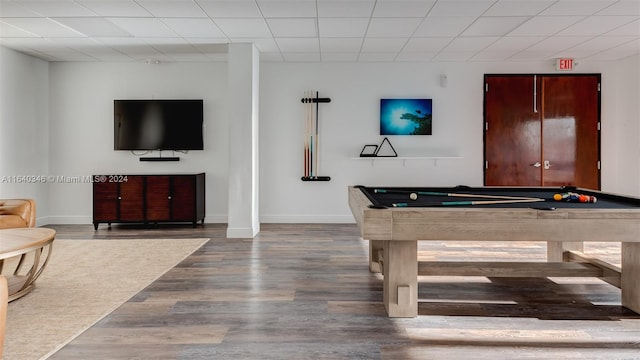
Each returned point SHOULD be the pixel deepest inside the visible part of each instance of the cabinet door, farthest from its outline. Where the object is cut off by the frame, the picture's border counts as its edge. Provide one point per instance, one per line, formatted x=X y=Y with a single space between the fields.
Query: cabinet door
x=512 y=131
x=183 y=198
x=158 y=198
x=132 y=198
x=105 y=201
x=570 y=135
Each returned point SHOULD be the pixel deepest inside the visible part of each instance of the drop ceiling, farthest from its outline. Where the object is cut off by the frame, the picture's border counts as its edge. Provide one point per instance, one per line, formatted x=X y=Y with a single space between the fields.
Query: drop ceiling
x=322 y=30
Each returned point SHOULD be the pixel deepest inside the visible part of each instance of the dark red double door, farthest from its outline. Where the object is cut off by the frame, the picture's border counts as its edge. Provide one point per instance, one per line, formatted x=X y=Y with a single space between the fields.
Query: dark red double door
x=542 y=130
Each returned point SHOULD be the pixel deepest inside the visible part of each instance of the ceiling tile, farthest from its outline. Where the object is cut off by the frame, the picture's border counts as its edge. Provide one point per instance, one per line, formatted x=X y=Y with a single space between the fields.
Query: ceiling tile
x=494 y=25
x=262 y=44
x=462 y=44
x=204 y=28
x=94 y=27
x=9 y=31
x=518 y=8
x=326 y=30
x=631 y=29
x=597 y=45
x=115 y=8
x=343 y=27
x=14 y=9
x=172 y=8
x=392 y=27
x=460 y=7
x=144 y=27
x=133 y=47
x=426 y=45
x=547 y=48
x=444 y=26
x=57 y=8
x=402 y=8
x=379 y=45
x=619 y=52
x=230 y=9
x=624 y=7
x=415 y=56
x=244 y=28
x=343 y=45
x=289 y=27
x=345 y=8
x=506 y=47
x=573 y=7
x=291 y=8
x=545 y=25
x=42 y=27
x=210 y=45
x=596 y=25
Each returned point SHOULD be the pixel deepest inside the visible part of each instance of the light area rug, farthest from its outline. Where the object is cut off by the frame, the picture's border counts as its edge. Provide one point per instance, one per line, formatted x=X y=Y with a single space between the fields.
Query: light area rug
x=84 y=281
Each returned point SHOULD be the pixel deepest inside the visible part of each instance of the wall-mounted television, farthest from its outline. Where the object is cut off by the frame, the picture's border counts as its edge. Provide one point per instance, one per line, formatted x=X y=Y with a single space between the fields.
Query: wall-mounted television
x=157 y=125
x=405 y=116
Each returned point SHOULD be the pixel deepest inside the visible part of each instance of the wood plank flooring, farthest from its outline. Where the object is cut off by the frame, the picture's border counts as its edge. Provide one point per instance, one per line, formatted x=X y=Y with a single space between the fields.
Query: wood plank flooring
x=305 y=292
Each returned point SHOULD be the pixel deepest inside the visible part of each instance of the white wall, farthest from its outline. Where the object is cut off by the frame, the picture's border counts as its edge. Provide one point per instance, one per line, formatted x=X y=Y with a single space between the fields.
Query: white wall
x=81 y=129
x=67 y=109
x=350 y=121
x=24 y=125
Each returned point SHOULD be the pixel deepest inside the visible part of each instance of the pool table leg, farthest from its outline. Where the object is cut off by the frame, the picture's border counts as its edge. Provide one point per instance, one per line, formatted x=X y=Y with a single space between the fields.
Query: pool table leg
x=630 y=281
x=556 y=249
x=374 y=260
x=400 y=269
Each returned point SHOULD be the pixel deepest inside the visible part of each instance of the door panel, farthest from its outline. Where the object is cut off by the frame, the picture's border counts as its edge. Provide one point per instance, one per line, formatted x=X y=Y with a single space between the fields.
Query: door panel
x=570 y=134
x=560 y=132
x=512 y=135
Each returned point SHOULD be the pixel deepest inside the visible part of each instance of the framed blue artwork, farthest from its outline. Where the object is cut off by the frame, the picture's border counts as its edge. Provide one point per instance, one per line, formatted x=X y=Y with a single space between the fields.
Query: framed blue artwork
x=405 y=116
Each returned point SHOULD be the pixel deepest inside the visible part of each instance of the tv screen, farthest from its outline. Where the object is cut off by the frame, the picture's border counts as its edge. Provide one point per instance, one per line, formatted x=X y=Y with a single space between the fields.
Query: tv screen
x=405 y=116
x=158 y=124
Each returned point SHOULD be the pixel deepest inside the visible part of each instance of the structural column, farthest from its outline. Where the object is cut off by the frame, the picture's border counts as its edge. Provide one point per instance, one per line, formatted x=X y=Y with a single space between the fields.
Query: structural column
x=243 y=71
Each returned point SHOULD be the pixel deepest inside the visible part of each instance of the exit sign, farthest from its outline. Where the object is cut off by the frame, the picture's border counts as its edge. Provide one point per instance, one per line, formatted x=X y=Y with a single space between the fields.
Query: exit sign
x=565 y=64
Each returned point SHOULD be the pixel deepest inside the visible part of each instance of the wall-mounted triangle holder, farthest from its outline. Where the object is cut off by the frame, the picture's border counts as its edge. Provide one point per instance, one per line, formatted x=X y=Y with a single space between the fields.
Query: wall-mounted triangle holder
x=311 y=137
x=385 y=149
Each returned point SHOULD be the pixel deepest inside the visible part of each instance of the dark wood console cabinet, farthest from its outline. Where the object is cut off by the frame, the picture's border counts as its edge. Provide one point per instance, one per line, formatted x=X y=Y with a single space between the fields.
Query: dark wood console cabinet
x=148 y=198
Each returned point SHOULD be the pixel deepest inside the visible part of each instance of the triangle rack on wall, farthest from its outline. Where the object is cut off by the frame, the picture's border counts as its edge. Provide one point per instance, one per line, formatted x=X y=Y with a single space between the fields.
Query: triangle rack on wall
x=311 y=137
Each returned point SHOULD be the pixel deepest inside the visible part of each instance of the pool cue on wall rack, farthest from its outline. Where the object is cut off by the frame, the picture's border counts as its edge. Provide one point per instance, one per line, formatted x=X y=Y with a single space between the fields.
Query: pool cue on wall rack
x=435 y=193
x=312 y=136
x=466 y=203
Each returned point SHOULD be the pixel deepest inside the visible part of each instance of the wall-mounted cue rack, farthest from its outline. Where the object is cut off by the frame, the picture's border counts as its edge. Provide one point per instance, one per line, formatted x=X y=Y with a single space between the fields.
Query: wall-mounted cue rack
x=312 y=137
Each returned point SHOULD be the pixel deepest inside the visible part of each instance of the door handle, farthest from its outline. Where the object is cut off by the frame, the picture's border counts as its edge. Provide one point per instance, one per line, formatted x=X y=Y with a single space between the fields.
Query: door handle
x=536 y=164
x=547 y=165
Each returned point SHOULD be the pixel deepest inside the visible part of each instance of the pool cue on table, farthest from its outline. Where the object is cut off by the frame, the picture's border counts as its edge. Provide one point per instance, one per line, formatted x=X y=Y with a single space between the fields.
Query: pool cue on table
x=465 y=203
x=435 y=193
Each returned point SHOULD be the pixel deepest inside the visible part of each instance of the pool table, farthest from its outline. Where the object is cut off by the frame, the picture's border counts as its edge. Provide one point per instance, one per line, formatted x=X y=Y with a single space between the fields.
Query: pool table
x=393 y=223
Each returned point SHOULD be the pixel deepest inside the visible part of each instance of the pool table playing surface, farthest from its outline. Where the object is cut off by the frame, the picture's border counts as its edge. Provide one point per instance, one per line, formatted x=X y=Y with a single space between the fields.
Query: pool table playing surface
x=393 y=223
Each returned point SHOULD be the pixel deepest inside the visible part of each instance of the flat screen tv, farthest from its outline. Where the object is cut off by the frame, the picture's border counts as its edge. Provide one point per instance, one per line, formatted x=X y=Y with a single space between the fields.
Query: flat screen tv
x=157 y=124
x=405 y=116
